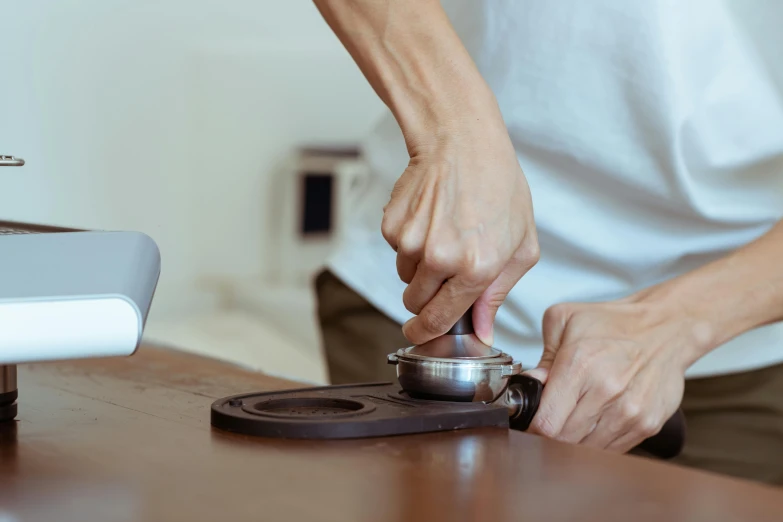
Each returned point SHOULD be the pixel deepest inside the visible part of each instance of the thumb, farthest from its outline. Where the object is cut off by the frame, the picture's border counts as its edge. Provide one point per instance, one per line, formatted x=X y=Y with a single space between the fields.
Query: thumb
x=541 y=372
x=486 y=307
x=554 y=325
x=484 y=311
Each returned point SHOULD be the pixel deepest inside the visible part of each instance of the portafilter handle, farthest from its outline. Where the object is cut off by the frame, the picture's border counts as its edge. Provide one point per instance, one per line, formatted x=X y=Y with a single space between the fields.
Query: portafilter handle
x=523 y=396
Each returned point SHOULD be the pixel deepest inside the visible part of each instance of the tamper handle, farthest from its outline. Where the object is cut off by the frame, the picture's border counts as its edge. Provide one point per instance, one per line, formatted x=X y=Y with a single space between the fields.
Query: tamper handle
x=464 y=325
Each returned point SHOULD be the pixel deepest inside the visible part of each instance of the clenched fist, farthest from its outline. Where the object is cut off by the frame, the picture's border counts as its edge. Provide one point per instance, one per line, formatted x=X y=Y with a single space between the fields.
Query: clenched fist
x=461 y=221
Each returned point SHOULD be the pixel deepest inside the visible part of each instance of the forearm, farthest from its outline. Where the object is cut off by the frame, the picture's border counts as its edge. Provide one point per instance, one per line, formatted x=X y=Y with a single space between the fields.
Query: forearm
x=730 y=296
x=415 y=62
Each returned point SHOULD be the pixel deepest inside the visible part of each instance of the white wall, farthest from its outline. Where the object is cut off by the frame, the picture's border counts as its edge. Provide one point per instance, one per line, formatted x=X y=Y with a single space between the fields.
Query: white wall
x=169 y=117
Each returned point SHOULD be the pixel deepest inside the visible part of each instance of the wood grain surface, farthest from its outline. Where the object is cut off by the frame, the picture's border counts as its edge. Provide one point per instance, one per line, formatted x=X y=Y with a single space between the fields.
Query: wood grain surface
x=129 y=439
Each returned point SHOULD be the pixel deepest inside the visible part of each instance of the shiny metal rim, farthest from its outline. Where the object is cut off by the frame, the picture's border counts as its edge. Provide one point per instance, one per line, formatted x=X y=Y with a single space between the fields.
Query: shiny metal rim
x=497 y=357
x=500 y=361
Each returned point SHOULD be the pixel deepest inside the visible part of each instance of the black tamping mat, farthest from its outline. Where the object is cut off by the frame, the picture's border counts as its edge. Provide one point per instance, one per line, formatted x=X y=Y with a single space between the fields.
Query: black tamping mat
x=346 y=412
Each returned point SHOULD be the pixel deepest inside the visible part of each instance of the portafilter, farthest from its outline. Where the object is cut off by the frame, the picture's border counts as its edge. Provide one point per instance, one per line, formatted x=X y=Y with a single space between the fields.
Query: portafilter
x=459 y=367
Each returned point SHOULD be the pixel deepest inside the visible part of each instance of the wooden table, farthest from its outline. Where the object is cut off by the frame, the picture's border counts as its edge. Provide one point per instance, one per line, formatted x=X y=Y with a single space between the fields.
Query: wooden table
x=130 y=439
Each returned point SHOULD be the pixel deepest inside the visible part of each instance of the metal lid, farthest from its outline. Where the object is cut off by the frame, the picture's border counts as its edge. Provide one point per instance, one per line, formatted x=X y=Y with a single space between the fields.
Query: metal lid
x=445 y=355
x=449 y=346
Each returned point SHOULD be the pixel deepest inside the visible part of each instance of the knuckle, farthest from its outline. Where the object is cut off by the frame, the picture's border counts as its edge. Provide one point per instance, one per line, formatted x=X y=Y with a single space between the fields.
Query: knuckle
x=479 y=269
x=407 y=243
x=648 y=425
x=529 y=253
x=439 y=258
x=556 y=314
x=632 y=410
x=611 y=387
x=406 y=301
x=495 y=300
x=544 y=427
x=389 y=230
x=434 y=321
x=474 y=277
x=410 y=303
x=405 y=276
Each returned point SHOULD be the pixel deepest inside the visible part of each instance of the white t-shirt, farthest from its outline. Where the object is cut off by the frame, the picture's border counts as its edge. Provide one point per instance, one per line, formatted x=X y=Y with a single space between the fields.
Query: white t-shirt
x=651 y=134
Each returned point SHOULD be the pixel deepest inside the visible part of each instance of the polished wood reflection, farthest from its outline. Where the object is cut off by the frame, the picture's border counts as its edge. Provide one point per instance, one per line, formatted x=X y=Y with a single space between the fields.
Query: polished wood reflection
x=130 y=439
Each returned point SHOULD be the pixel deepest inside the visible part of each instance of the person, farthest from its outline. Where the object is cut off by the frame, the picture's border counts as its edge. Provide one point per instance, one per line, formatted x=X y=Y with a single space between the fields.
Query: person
x=603 y=182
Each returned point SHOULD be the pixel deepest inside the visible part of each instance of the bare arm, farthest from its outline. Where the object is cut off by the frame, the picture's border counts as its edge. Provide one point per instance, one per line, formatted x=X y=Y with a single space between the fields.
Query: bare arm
x=410 y=54
x=728 y=297
x=460 y=217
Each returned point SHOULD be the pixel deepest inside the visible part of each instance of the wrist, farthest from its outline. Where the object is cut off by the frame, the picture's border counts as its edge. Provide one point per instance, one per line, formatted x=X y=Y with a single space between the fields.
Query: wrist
x=712 y=307
x=677 y=304
x=729 y=296
x=453 y=104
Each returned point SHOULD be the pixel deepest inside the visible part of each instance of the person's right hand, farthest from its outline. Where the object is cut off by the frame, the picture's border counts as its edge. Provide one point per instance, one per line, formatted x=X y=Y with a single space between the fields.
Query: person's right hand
x=461 y=221
x=460 y=216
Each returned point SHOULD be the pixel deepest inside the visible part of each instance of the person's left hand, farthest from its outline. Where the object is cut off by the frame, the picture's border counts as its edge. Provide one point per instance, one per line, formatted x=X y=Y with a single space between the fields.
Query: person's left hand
x=614 y=372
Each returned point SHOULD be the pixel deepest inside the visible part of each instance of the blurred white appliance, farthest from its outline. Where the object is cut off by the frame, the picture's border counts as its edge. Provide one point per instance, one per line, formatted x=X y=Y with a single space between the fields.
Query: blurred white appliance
x=69 y=294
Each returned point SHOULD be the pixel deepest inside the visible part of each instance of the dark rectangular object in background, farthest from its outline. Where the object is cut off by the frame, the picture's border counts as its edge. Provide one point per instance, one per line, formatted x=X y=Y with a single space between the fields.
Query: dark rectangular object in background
x=317 y=203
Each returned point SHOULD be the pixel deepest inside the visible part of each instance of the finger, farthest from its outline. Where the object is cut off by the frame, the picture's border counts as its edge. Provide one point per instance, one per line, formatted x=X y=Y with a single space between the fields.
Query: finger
x=408 y=214
x=553 y=327
x=602 y=434
x=541 y=372
x=423 y=287
x=409 y=249
x=626 y=442
x=554 y=324
x=395 y=215
x=584 y=419
x=604 y=397
x=410 y=246
x=558 y=400
x=390 y=228
x=441 y=312
x=644 y=428
x=406 y=268
x=553 y=331
x=619 y=421
x=486 y=308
